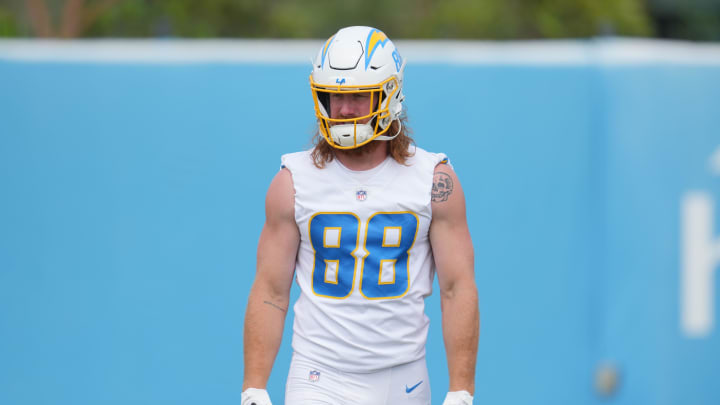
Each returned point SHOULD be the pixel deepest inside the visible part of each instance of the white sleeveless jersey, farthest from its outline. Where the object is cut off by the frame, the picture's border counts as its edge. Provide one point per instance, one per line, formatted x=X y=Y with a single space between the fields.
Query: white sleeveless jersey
x=364 y=265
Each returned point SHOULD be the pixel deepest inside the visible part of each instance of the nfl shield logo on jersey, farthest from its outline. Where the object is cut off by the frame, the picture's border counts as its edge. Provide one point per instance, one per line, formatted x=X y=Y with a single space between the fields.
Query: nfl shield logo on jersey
x=314 y=376
x=361 y=195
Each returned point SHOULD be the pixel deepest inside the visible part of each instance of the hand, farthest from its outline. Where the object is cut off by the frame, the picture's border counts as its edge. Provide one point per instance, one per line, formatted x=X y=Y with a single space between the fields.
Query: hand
x=456 y=398
x=255 y=396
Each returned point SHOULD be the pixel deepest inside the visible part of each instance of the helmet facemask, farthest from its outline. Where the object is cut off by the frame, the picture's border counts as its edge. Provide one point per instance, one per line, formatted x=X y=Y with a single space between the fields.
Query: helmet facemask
x=353 y=132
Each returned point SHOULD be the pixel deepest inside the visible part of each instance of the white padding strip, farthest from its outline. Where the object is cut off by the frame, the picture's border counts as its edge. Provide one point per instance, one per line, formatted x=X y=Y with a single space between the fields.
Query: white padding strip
x=541 y=52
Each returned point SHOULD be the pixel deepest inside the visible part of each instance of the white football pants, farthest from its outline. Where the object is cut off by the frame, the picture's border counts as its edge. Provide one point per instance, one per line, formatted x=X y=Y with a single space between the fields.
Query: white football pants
x=312 y=383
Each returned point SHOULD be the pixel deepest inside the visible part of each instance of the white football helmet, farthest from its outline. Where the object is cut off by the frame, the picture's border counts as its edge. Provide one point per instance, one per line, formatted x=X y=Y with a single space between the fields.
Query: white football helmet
x=358 y=60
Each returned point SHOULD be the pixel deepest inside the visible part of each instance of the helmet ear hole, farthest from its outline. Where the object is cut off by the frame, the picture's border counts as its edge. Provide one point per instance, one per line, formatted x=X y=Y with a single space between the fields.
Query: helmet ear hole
x=388 y=89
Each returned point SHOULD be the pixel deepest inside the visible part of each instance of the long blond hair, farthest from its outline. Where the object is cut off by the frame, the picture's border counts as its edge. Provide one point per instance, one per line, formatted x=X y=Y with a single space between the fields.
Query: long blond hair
x=398 y=147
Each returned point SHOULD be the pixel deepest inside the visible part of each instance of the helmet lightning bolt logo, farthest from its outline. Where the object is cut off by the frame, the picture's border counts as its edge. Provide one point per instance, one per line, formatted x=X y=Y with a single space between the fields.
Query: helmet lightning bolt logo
x=375 y=38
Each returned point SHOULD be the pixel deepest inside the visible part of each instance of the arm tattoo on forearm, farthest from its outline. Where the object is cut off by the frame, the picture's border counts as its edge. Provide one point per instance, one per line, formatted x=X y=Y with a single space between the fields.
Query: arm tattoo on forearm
x=275 y=306
x=442 y=187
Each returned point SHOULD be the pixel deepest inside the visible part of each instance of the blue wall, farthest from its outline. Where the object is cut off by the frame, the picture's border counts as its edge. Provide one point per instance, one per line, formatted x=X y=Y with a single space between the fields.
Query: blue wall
x=131 y=200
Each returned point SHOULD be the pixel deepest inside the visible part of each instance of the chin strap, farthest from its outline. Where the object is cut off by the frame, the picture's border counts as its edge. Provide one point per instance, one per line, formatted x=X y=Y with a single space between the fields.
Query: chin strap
x=389 y=138
x=345 y=134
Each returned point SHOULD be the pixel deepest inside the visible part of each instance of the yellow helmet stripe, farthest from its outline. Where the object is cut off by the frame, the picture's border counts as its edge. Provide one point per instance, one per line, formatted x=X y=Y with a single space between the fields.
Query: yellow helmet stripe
x=375 y=38
x=324 y=52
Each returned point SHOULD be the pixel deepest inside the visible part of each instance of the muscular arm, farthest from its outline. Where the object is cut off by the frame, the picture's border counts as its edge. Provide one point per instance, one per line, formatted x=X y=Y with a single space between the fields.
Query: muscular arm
x=453 y=251
x=270 y=293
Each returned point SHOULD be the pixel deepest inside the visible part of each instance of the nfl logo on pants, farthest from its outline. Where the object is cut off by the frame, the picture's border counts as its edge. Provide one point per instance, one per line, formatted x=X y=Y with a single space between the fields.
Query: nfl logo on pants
x=314 y=376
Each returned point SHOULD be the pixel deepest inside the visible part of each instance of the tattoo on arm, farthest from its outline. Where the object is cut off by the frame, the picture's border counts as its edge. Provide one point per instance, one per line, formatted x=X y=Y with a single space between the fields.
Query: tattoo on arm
x=442 y=187
x=275 y=306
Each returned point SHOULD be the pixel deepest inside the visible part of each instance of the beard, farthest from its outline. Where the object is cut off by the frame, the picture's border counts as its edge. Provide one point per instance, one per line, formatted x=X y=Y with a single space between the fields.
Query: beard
x=363 y=150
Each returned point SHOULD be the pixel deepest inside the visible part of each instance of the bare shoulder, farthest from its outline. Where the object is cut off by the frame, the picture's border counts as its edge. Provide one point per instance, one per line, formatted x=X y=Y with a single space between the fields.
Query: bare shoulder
x=280 y=198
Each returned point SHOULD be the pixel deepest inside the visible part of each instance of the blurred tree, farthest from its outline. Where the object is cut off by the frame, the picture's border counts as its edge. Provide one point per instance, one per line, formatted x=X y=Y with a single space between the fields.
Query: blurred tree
x=462 y=19
x=8 y=25
x=529 y=19
x=130 y=18
x=64 y=18
x=493 y=19
x=688 y=19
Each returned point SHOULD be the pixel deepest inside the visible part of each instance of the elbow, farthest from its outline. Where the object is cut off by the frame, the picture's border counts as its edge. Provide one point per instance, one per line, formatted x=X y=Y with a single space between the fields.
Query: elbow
x=466 y=290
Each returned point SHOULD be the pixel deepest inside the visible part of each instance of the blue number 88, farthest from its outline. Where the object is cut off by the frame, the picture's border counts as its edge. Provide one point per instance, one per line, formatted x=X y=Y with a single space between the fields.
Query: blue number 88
x=335 y=238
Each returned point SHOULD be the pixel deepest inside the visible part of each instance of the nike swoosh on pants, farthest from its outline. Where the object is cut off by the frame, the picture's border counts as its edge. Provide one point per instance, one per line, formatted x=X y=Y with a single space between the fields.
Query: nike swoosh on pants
x=409 y=390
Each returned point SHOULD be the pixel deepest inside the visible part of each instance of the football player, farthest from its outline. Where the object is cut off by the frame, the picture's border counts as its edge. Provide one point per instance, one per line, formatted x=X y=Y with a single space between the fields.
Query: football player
x=363 y=221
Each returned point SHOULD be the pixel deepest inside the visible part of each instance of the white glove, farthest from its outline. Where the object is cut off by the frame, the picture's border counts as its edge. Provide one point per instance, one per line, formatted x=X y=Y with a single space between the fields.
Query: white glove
x=456 y=398
x=255 y=396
